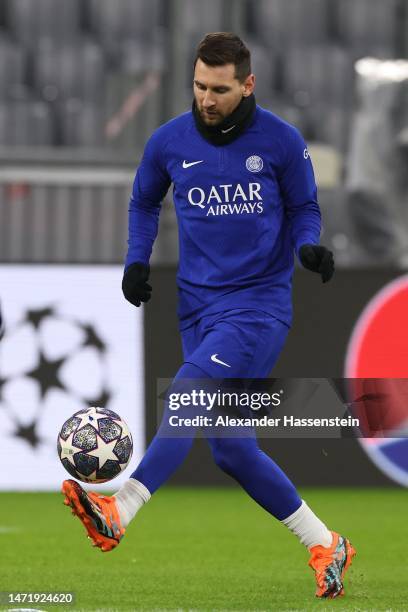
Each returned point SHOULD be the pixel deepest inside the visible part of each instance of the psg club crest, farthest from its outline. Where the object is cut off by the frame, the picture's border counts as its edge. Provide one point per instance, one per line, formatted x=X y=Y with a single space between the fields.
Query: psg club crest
x=254 y=163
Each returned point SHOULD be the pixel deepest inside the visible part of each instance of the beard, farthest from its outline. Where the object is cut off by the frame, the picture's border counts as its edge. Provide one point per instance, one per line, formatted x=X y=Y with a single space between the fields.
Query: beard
x=221 y=128
x=211 y=117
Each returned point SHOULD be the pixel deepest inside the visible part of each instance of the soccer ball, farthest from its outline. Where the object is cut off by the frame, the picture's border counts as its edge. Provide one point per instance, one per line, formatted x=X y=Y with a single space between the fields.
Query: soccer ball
x=95 y=445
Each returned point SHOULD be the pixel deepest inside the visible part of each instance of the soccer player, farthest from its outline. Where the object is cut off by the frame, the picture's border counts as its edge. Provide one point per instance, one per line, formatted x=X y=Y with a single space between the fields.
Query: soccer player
x=245 y=199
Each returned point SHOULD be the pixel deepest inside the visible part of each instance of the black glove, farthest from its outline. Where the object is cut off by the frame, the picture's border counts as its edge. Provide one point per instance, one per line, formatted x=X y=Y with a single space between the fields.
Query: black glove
x=317 y=259
x=134 y=285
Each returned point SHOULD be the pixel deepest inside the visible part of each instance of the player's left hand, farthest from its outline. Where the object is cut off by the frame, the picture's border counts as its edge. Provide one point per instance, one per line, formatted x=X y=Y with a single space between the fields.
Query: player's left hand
x=135 y=287
x=317 y=259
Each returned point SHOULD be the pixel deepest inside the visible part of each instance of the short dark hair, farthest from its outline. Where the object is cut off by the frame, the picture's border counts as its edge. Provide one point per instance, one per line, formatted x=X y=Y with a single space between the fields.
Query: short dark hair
x=220 y=48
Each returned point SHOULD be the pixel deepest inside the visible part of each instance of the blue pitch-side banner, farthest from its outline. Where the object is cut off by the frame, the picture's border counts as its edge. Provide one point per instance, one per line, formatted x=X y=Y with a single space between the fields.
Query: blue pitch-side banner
x=70 y=341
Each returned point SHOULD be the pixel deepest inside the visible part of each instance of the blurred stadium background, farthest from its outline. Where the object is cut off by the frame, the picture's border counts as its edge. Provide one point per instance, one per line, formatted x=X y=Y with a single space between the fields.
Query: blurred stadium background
x=83 y=83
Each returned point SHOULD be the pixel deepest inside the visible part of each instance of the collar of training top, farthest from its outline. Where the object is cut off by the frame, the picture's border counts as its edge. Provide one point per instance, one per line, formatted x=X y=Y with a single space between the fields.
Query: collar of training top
x=231 y=127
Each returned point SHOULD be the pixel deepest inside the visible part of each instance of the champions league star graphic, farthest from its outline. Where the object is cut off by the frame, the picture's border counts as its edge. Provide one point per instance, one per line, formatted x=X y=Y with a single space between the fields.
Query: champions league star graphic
x=43 y=358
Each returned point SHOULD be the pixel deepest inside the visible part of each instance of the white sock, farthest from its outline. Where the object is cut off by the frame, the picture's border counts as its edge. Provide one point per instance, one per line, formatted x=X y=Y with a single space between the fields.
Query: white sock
x=308 y=528
x=130 y=498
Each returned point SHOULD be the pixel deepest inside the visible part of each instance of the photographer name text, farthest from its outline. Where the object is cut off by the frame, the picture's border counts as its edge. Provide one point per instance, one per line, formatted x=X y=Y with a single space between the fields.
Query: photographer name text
x=286 y=421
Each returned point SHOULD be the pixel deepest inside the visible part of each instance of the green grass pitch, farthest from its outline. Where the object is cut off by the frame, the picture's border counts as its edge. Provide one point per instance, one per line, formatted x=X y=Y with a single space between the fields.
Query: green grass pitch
x=205 y=549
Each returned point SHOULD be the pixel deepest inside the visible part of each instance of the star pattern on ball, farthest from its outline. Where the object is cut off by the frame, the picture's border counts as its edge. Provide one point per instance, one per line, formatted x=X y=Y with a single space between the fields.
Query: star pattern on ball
x=90 y=419
x=105 y=450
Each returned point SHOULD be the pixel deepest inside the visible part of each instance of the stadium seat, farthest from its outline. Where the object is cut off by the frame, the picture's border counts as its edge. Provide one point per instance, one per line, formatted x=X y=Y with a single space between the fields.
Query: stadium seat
x=123 y=18
x=3 y=13
x=283 y=22
x=3 y=123
x=337 y=231
x=69 y=70
x=330 y=125
x=319 y=74
x=12 y=67
x=26 y=123
x=81 y=124
x=264 y=66
x=202 y=17
x=368 y=26
x=30 y=20
x=137 y=57
x=292 y=114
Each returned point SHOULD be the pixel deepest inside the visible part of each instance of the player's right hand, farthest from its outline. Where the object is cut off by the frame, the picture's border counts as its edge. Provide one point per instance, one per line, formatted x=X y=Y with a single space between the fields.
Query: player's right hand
x=134 y=284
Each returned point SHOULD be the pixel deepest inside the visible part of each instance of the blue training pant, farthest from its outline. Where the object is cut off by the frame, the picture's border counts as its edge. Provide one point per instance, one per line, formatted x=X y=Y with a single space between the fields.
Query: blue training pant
x=233 y=344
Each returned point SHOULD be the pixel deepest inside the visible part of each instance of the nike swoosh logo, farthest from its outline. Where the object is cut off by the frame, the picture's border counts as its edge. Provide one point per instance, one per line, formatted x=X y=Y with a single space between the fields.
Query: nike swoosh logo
x=188 y=164
x=215 y=360
x=228 y=130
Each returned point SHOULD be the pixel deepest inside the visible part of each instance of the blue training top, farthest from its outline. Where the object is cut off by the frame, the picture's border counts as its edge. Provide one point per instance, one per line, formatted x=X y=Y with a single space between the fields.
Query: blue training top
x=242 y=210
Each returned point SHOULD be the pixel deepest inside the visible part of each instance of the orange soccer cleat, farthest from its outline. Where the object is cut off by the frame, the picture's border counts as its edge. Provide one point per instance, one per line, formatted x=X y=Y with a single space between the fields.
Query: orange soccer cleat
x=98 y=513
x=330 y=565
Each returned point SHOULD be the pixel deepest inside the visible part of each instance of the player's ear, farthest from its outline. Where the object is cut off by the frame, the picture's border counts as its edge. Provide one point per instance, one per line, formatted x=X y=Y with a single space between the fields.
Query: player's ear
x=249 y=85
